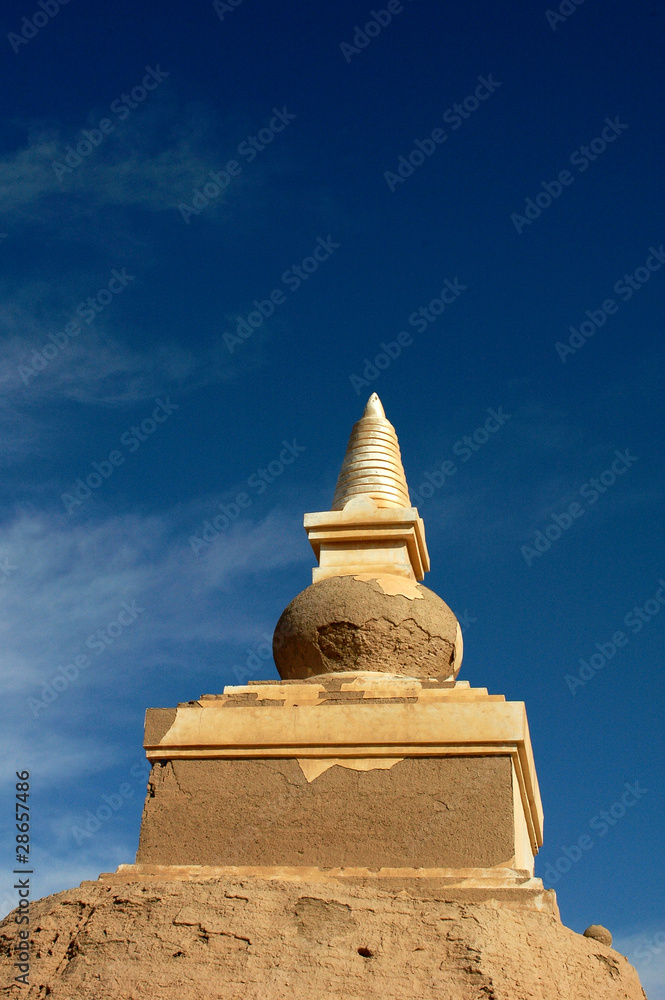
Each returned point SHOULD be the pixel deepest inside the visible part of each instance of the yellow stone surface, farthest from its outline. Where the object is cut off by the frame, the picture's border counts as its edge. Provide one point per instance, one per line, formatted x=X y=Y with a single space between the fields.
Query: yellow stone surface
x=367 y=539
x=312 y=767
x=371 y=527
x=372 y=466
x=139 y=936
x=496 y=878
x=386 y=719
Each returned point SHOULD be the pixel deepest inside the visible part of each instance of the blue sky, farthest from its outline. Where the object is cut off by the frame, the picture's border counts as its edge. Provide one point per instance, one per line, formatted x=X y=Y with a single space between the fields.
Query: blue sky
x=221 y=229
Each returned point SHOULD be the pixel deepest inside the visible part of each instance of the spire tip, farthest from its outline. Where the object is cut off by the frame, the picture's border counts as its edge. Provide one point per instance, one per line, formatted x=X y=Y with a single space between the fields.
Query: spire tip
x=374 y=407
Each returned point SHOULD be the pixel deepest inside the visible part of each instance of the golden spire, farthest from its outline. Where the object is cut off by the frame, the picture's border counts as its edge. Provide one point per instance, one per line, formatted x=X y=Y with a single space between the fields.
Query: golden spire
x=372 y=466
x=371 y=527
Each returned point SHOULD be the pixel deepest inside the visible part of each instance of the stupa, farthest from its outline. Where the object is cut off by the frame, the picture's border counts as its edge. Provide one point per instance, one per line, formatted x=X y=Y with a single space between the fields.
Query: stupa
x=366 y=826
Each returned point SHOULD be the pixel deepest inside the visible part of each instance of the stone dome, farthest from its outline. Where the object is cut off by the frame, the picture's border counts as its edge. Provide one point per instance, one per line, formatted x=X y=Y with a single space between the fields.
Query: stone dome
x=383 y=623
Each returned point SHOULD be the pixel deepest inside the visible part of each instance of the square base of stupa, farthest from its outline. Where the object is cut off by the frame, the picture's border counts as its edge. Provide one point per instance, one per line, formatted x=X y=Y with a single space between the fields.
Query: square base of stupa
x=344 y=771
x=509 y=887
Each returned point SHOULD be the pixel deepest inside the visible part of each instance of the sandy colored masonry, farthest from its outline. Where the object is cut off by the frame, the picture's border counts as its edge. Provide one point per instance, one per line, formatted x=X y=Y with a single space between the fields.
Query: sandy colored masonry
x=364 y=538
x=425 y=755
x=369 y=716
x=505 y=886
x=372 y=527
x=422 y=812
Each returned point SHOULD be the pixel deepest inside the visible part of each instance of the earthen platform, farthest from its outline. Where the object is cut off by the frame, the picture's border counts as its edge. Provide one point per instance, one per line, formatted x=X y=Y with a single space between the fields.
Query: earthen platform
x=126 y=937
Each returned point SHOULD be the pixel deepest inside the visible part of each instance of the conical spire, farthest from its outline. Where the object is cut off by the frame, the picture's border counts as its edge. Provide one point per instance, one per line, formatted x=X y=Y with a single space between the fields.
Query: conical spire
x=372 y=466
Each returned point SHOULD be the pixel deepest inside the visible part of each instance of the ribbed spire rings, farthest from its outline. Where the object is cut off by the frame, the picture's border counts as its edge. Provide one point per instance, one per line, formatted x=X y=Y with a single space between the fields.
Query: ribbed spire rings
x=373 y=464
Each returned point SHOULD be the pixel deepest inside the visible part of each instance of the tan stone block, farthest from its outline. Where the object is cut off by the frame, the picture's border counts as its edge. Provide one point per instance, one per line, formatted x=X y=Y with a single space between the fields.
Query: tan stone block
x=421 y=812
x=365 y=723
x=355 y=541
x=158 y=721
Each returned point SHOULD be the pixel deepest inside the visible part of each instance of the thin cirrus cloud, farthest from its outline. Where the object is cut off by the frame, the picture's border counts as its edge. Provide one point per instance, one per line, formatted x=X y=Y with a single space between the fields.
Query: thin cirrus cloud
x=98 y=369
x=139 y=177
x=68 y=580
x=97 y=372
x=55 y=754
x=151 y=162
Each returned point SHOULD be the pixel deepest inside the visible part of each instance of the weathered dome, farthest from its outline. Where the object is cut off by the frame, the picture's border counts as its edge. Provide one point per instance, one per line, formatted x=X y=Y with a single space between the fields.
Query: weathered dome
x=384 y=623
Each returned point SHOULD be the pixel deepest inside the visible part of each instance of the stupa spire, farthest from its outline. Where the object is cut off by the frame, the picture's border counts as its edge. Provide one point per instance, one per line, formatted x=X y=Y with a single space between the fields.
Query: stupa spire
x=372 y=466
x=371 y=525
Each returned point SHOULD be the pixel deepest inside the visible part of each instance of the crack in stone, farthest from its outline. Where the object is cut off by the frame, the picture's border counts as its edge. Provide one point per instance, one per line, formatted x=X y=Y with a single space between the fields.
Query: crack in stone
x=342 y=640
x=73 y=949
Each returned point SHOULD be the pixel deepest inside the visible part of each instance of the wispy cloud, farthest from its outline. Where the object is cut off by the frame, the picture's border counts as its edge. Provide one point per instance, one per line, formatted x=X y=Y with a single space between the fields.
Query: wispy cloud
x=98 y=369
x=52 y=755
x=70 y=586
x=146 y=163
x=72 y=580
x=646 y=951
x=95 y=370
x=153 y=161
